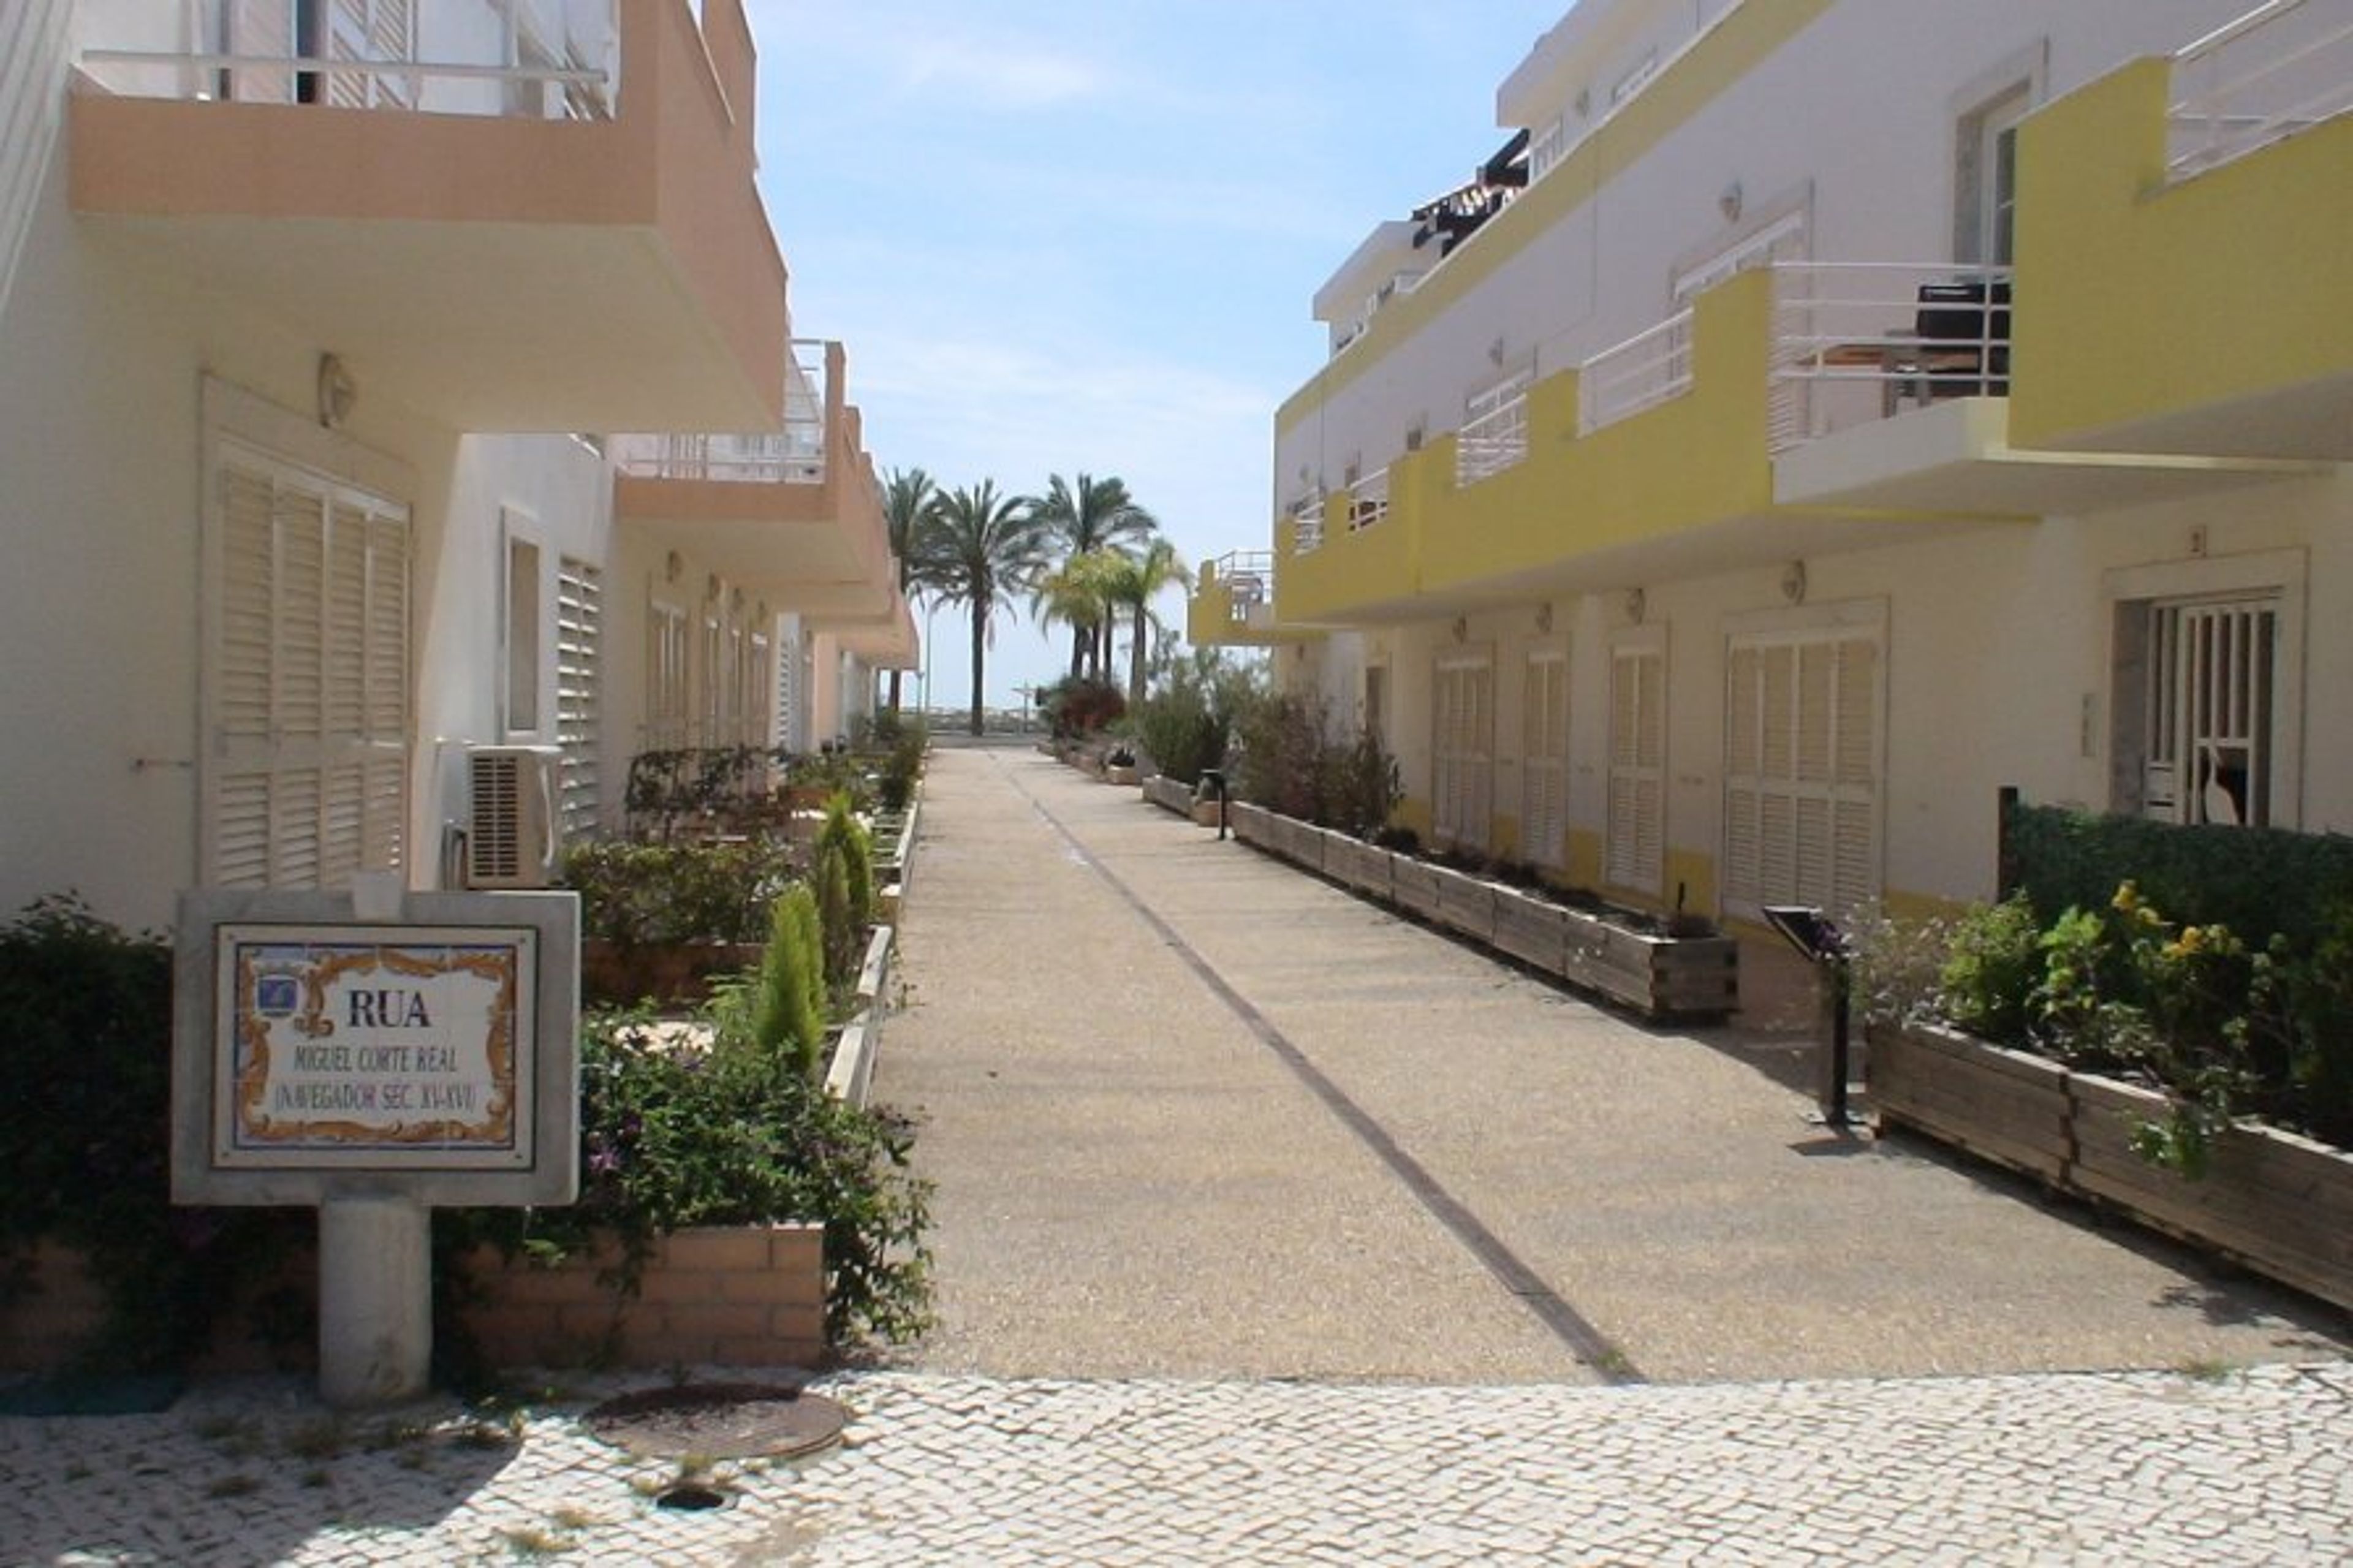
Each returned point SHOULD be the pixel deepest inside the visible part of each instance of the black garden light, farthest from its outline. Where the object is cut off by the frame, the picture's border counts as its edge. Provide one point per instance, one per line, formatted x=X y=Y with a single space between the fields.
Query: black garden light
x=1213 y=782
x=1816 y=936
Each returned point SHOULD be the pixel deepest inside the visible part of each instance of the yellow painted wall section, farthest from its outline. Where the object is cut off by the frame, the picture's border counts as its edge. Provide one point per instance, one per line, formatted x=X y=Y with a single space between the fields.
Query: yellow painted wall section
x=2136 y=299
x=1351 y=571
x=1694 y=875
x=1695 y=459
x=1584 y=863
x=1413 y=814
x=1750 y=33
x=1209 y=613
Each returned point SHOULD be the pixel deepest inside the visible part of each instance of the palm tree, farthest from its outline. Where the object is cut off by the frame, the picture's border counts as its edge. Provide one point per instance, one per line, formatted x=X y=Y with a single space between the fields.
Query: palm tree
x=1133 y=582
x=1075 y=593
x=978 y=549
x=1086 y=515
x=909 y=498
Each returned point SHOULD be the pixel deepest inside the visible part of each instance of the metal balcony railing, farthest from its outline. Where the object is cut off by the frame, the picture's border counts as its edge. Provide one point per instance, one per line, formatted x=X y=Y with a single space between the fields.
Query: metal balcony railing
x=1497 y=440
x=2282 y=68
x=1248 y=577
x=1857 y=341
x=538 y=59
x=793 y=456
x=1650 y=368
x=1368 y=500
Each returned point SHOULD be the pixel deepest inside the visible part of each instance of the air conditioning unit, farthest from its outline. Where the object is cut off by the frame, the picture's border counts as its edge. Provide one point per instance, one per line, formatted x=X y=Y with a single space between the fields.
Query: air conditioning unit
x=512 y=817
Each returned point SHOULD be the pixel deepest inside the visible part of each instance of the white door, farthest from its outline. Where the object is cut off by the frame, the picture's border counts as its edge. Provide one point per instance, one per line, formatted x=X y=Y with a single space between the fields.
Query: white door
x=1802 y=760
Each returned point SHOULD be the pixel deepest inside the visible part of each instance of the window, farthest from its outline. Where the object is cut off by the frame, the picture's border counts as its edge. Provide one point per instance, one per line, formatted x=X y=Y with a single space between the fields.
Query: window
x=1986 y=183
x=1543 y=738
x=1464 y=776
x=668 y=697
x=1635 y=855
x=1376 y=702
x=306 y=673
x=1802 y=788
x=2206 y=713
x=579 y=690
x=520 y=632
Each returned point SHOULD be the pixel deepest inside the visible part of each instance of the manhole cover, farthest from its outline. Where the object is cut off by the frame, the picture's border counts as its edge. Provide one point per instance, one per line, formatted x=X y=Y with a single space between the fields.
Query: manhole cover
x=718 y=1421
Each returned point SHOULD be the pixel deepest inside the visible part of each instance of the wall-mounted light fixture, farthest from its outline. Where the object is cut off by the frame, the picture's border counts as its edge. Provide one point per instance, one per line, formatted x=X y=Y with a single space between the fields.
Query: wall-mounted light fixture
x=337 y=392
x=1793 y=582
x=1728 y=202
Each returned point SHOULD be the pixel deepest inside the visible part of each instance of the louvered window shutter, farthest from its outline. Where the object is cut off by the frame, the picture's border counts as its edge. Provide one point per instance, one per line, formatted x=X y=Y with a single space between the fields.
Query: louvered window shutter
x=1637 y=823
x=1801 y=770
x=579 y=690
x=307 y=671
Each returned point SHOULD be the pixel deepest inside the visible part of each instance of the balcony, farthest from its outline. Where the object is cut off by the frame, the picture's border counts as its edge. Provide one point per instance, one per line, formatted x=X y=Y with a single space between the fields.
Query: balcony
x=2186 y=250
x=795 y=515
x=548 y=223
x=1232 y=604
x=1892 y=391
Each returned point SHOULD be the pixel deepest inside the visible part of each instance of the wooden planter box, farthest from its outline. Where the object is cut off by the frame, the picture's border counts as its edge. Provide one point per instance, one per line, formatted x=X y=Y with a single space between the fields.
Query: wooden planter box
x=1466 y=905
x=1534 y=931
x=1413 y=886
x=1170 y=794
x=1253 y=824
x=2280 y=1203
x=1121 y=775
x=1301 y=843
x=1661 y=976
x=672 y=975
x=1357 y=866
x=2001 y=1105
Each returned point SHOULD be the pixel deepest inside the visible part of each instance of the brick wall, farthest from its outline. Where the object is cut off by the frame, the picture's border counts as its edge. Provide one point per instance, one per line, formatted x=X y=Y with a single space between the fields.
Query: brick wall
x=737 y=1297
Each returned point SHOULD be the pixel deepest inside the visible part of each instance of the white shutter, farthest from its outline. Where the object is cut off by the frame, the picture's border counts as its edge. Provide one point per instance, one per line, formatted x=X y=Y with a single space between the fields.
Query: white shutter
x=1801 y=768
x=1636 y=852
x=1543 y=732
x=579 y=684
x=306 y=677
x=1463 y=770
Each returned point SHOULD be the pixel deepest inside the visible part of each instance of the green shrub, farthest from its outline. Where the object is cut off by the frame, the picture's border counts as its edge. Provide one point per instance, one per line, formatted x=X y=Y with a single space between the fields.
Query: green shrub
x=2258 y=882
x=1184 y=724
x=87 y=1146
x=782 y=1011
x=641 y=893
x=735 y=1135
x=844 y=833
x=838 y=919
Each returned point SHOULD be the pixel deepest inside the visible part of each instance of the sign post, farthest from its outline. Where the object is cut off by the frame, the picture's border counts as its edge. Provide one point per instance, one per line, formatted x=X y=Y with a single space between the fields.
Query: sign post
x=373 y=1055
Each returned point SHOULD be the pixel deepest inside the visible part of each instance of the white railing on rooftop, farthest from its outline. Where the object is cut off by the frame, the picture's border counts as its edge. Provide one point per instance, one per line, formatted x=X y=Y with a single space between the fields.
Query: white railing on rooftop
x=1553 y=146
x=1652 y=367
x=1368 y=500
x=1497 y=440
x=537 y=60
x=1857 y=341
x=793 y=456
x=2281 y=68
x=1248 y=576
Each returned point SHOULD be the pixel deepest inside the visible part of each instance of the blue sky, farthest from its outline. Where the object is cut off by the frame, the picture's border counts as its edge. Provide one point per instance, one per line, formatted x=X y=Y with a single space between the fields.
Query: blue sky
x=1058 y=236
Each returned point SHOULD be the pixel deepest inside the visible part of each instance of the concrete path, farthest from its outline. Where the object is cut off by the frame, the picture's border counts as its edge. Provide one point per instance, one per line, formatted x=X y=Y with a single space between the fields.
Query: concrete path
x=1194 y=1113
x=1275 y=1231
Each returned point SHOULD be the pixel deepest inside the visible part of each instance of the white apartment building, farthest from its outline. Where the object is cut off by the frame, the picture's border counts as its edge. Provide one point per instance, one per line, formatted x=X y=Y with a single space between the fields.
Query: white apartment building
x=1822 y=415
x=320 y=327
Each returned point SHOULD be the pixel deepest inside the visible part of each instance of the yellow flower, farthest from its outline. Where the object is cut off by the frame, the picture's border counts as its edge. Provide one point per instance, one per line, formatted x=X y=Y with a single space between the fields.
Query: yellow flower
x=2127 y=898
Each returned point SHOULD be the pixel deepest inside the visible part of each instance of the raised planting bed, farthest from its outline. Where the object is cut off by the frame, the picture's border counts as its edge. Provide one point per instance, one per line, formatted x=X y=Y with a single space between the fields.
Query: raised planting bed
x=850 y=1075
x=1170 y=794
x=1253 y=824
x=1357 y=866
x=737 y=1296
x=1413 y=886
x=1466 y=904
x=2279 y=1203
x=668 y=974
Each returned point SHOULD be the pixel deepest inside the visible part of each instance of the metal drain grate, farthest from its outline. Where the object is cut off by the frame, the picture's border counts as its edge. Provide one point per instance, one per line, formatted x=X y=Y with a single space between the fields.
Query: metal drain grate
x=718 y=1421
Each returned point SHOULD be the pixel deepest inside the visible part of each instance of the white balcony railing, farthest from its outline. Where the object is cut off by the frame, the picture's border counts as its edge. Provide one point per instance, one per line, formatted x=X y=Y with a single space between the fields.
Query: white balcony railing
x=539 y=59
x=1248 y=576
x=1494 y=441
x=2280 y=69
x=1307 y=523
x=1368 y=500
x=1652 y=367
x=793 y=456
x=1857 y=341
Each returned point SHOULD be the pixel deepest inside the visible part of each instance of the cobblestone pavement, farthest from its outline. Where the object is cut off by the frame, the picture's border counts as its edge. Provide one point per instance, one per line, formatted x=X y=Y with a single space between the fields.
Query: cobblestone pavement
x=2163 y=1467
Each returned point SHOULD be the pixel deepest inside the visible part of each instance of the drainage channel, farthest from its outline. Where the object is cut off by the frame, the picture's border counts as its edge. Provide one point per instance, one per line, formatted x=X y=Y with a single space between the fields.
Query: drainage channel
x=1587 y=1343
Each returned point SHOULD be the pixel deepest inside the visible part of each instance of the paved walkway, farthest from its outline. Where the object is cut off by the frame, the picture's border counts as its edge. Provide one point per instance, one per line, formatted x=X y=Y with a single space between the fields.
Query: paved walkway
x=1275 y=1230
